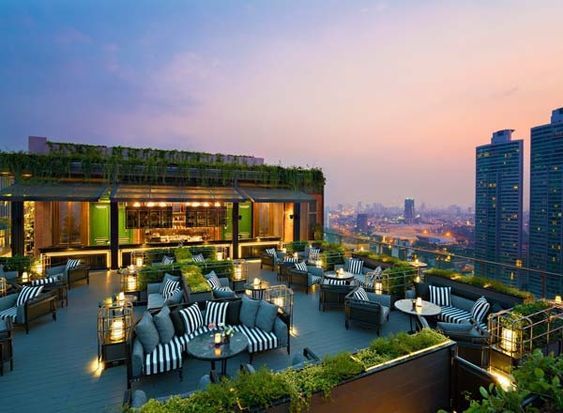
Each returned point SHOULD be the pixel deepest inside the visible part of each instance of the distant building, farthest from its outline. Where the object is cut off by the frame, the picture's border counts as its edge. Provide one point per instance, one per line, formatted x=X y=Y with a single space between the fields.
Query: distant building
x=409 y=211
x=498 y=207
x=546 y=205
x=362 y=223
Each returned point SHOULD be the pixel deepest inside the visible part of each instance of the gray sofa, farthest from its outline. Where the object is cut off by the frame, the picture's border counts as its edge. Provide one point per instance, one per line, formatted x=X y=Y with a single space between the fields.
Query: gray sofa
x=305 y=279
x=70 y=276
x=371 y=313
x=42 y=305
x=141 y=363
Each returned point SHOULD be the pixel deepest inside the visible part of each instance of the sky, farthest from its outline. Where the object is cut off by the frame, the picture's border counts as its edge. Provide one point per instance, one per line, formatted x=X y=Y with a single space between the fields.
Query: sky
x=389 y=98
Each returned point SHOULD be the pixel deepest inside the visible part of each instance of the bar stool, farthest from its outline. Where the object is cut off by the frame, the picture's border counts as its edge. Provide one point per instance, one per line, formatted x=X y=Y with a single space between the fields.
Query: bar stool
x=6 y=349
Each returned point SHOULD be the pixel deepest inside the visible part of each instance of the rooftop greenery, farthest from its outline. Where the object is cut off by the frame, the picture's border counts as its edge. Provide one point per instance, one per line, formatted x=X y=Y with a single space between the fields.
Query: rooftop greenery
x=481 y=282
x=265 y=387
x=153 y=167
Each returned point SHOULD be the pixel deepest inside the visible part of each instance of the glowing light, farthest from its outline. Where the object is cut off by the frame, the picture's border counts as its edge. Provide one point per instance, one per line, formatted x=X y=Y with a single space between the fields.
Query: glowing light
x=378 y=287
x=217 y=204
x=509 y=339
x=139 y=262
x=279 y=301
x=256 y=282
x=293 y=331
x=162 y=204
x=557 y=299
x=206 y=204
x=117 y=330
x=95 y=367
x=504 y=381
x=219 y=255
x=136 y=204
x=195 y=204
x=150 y=204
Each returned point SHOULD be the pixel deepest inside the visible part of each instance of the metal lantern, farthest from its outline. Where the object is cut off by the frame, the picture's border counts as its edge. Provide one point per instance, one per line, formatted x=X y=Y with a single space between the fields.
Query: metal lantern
x=3 y=287
x=129 y=280
x=115 y=320
x=138 y=258
x=282 y=297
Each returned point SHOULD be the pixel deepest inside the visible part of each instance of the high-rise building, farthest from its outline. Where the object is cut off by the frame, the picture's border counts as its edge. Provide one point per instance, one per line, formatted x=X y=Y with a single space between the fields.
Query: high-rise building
x=546 y=199
x=498 y=207
x=409 y=210
x=362 y=223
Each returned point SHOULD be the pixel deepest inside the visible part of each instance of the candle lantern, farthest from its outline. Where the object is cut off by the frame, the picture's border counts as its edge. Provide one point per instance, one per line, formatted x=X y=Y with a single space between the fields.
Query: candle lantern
x=282 y=297
x=256 y=282
x=557 y=299
x=509 y=340
x=25 y=277
x=3 y=286
x=240 y=270
x=115 y=319
x=378 y=286
x=217 y=339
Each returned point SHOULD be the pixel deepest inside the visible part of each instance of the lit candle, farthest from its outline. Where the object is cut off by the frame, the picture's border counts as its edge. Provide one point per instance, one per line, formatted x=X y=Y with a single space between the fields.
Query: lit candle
x=284 y=250
x=219 y=255
x=557 y=299
x=256 y=282
x=217 y=339
x=508 y=340
x=117 y=330
x=25 y=276
x=131 y=283
x=278 y=301
x=238 y=272
x=295 y=255
x=131 y=268
x=139 y=261
x=378 y=287
x=419 y=302
x=217 y=351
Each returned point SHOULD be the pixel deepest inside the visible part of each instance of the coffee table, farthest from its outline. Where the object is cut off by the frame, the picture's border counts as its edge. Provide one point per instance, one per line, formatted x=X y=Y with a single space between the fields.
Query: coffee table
x=346 y=276
x=427 y=309
x=257 y=290
x=203 y=348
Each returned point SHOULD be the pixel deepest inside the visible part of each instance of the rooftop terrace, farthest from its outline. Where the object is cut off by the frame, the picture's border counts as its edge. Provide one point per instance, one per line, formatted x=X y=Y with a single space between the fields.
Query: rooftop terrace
x=55 y=367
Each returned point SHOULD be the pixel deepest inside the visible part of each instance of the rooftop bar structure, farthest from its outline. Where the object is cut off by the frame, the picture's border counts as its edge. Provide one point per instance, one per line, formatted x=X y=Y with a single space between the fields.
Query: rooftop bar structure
x=101 y=204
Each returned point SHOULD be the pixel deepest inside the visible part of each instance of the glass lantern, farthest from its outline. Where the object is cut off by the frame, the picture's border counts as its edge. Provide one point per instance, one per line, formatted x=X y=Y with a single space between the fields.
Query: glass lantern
x=240 y=272
x=3 y=286
x=115 y=320
x=282 y=297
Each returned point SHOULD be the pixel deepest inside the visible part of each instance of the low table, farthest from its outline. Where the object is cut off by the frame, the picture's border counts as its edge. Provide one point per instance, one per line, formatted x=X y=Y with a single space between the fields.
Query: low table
x=202 y=347
x=427 y=309
x=257 y=290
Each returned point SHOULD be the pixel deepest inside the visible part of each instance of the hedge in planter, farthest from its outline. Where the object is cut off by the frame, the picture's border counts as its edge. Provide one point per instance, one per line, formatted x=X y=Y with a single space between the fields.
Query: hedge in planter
x=386 y=259
x=194 y=279
x=153 y=274
x=481 y=282
x=265 y=388
x=18 y=263
x=223 y=268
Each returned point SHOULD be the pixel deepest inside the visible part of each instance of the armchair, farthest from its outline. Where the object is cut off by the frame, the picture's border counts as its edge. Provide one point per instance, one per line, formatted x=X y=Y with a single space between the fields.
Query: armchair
x=271 y=259
x=10 y=276
x=333 y=294
x=43 y=304
x=70 y=274
x=373 y=312
x=305 y=279
x=155 y=297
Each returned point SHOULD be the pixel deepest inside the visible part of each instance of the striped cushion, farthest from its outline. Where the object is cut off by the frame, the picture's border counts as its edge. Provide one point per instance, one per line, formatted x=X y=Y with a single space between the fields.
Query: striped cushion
x=70 y=264
x=456 y=315
x=480 y=309
x=165 y=357
x=360 y=294
x=193 y=319
x=301 y=266
x=316 y=279
x=215 y=313
x=290 y=259
x=314 y=253
x=198 y=258
x=11 y=312
x=332 y=281
x=27 y=293
x=45 y=281
x=170 y=287
x=258 y=339
x=166 y=260
x=213 y=281
x=270 y=251
x=354 y=266
x=440 y=295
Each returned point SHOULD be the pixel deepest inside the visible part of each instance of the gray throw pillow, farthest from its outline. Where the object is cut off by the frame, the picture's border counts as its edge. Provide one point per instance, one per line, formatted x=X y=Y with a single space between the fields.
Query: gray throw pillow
x=266 y=316
x=223 y=292
x=164 y=325
x=175 y=298
x=167 y=277
x=248 y=311
x=147 y=333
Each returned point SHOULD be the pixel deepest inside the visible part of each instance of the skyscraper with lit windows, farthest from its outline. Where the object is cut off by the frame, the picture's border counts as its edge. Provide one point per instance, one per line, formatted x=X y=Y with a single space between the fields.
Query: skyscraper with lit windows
x=546 y=199
x=498 y=208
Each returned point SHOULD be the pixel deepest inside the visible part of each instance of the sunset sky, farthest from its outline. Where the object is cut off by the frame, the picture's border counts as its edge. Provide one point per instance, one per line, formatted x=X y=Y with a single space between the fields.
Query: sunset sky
x=389 y=98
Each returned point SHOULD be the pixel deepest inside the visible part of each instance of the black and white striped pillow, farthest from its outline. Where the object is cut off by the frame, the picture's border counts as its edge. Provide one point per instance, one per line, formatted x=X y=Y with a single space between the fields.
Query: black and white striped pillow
x=314 y=253
x=360 y=294
x=270 y=251
x=71 y=263
x=290 y=259
x=355 y=266
x=332 y=281
x=213 y=281
x=192 y=317
x=301 y=266
x=166 y=260
x=440 y=295
x=170 y=287
x=27 y=293
x=215 y=312
x=198 y=258
x=45 y=281
x=480 y=309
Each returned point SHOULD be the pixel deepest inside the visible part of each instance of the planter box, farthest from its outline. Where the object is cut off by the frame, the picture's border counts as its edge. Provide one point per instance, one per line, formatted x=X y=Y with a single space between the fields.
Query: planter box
x=237 y=285
x=473 y=293
x=371 y=263
x=416 y=383
x=199 y=297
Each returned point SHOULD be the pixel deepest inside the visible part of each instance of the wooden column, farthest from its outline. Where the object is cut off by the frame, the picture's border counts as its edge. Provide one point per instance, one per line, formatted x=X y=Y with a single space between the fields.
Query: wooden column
x=296 y=221
x=114 y=234
x=235 y=220
x=17 y=231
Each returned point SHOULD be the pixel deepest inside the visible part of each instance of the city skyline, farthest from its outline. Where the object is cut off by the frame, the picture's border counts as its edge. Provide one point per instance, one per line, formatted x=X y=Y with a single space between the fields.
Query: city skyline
x=390 y=90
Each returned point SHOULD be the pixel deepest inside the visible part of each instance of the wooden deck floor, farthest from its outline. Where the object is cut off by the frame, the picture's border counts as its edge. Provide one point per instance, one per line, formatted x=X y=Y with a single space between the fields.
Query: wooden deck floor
x=55 y=367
